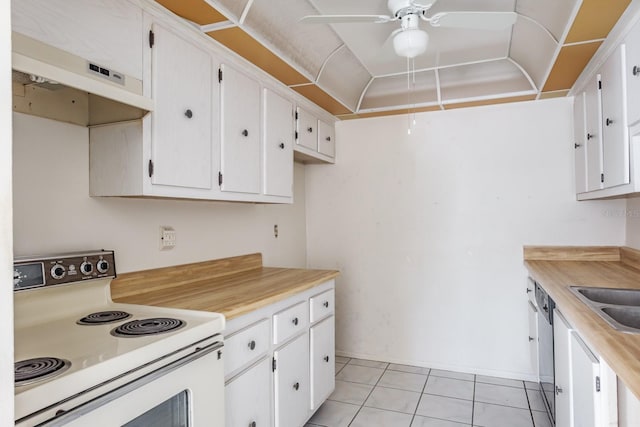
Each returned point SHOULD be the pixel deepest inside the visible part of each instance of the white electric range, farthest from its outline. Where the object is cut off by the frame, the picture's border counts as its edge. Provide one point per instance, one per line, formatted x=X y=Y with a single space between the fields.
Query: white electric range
x=81 y=359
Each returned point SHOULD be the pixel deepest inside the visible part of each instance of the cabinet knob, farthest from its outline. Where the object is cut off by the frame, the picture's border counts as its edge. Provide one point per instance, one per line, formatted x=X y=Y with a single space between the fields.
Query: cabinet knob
x=529 y=290
x=188 y=114
x=281 y=145
x=558 y=390
x=608 y=122
x=295 y=321
x=326 y=304
x=309 y=129
x=252 y=345
x=296 y=386
x=636 y=70
x=576 y=145
x=245 y=133
x=252 y=424
x=326 y=359
x=531 y=339
x=328 y=139
x=589 y=136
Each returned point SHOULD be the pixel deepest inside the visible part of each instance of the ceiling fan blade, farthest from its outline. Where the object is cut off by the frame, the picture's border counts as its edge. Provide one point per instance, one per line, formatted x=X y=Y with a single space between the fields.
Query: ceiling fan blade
x=474 y=20
x=344 y=19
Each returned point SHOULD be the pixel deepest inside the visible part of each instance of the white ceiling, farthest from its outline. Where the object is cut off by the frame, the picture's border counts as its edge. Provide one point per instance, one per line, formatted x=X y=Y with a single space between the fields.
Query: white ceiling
x=356 y=64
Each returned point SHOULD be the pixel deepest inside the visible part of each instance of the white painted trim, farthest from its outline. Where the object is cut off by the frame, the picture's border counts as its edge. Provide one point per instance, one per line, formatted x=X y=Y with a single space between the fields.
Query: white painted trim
x=583 y=42
x=208 y=28
x=443 y=67
x=364 y=91
x=245 y=11
x=326 y=61
x=531 y=82
x=543 y=27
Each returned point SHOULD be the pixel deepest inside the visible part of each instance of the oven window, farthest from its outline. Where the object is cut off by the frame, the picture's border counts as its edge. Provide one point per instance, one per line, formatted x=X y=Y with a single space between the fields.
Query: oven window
x=170 y=413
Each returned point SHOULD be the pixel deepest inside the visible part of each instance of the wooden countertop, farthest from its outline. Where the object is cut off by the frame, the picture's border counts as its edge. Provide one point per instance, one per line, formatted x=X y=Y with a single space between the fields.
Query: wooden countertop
x=556 y=269
x=230 y=286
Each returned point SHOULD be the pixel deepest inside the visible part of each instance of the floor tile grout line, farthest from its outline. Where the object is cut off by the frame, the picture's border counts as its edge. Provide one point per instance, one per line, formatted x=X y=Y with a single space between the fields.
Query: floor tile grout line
x=415 y=412
x=366 y=398
x=473 y=401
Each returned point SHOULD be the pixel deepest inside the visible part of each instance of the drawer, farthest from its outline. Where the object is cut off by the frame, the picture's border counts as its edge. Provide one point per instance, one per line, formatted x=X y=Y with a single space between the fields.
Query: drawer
x=246 y=346
x=290 y=321
x=321 y=305
x=248 y=397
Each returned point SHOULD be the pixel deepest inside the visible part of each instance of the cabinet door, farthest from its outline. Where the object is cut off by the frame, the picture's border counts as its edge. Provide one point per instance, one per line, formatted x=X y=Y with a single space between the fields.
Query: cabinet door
x=181 y=123
x=108 y=32
x=632 y=47
x=533 y=336
x=291 y=383
x=562 y=362
x=593 y=114
x=585 y=382
x=615 y=139
x=322 y=352
x=247 y=398
x=580 y=137
x=306 y=129
x=278 y=145
x=240 y=123
x=326 y=139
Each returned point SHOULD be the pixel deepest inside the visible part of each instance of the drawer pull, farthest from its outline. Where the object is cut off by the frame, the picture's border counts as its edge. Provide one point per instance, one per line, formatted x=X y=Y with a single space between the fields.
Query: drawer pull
x=326 y=304
x=252 y=345
x=326 y=359
x=188 y=114
x=309 y=129
x=295 y=321
x=296 y=386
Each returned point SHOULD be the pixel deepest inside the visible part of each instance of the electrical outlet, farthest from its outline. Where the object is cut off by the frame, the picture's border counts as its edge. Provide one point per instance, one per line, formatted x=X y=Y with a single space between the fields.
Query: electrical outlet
x=167 y=238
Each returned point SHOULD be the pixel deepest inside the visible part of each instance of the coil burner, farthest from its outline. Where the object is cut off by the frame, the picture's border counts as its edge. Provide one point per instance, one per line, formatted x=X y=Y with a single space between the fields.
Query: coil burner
x=103 y=317
x=32 y=370
x=142 y=327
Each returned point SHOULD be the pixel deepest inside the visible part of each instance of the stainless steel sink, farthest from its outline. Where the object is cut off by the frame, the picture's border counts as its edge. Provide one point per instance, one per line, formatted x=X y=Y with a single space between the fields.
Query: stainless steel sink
x=620 y=308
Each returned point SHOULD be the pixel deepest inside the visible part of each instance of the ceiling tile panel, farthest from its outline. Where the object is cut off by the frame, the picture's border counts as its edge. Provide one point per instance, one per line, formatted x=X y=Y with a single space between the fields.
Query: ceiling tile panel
x=399 y=91
x=554 y=15
x=485 y=79
x=570 y=62
x=306 y=46
x=197 y=11
x=533 y=49
x=595 y=19
x=345 y=76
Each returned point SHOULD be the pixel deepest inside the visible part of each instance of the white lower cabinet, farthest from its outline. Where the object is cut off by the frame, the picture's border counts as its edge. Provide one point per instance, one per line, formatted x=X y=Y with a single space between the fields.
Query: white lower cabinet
x=281 y=365
x=291 y=382
x=586 y=387
x=247 y=400
x=323 y=353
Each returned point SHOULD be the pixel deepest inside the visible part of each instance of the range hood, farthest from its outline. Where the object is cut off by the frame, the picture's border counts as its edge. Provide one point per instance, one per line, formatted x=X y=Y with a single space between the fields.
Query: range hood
x=52 y=83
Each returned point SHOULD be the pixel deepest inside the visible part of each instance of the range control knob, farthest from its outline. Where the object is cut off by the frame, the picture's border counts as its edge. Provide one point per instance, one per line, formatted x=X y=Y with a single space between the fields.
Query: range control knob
x=102 y=266
x=58 y=271
x=86 y=268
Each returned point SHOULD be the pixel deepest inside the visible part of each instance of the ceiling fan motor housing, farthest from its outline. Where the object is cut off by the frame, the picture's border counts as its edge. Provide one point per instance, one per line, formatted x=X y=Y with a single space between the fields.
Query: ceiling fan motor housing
x=399 y=8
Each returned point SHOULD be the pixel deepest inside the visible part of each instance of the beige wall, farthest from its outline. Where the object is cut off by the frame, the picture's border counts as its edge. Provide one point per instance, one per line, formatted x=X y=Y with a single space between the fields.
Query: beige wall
x=6 y=252
x=53 y=211
x=632 y=215
x=428 y=230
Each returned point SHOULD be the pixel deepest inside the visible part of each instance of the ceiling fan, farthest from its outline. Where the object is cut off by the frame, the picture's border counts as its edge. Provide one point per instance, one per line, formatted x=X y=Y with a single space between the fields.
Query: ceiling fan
x=410 y=41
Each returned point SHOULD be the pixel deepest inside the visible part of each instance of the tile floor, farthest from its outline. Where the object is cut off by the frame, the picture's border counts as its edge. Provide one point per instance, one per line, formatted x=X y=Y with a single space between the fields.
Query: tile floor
x=372 y=394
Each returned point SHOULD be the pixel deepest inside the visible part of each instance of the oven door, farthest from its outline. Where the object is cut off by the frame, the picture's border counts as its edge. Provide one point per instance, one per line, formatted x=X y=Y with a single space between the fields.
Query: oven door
x=188 y=392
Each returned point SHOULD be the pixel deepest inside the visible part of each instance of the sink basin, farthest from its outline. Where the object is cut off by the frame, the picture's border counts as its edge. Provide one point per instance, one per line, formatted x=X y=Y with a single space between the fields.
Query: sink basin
x=620 y=308
x=611 y=296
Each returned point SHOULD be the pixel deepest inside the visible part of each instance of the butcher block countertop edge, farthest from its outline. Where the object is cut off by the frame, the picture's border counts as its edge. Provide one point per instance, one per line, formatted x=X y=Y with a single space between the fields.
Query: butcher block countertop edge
x=608 y=267
x=230 y=286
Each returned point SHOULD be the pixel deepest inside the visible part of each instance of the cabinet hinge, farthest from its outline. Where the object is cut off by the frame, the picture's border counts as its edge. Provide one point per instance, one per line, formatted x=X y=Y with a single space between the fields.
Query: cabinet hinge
x=296 y=115
x=601 y=177
x=600 y=84
x=150 y=168
x=152 y=38
x=296 y=135
x=219 y=178
x=219 y=354
x=273 y=364
x=597 y=383
x=219 y=75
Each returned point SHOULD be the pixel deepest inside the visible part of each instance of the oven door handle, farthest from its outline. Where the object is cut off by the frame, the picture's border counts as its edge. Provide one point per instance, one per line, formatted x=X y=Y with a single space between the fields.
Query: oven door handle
x=99 y=401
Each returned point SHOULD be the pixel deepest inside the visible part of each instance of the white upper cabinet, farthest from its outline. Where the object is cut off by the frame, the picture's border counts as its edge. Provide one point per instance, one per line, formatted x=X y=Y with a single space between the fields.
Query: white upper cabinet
x=615 y=145
x=306 y=129
x=240 y=122
x=593 y=114
x=315 y=138
x=632 y=71
x=326 y=139
x=181 y=148
x=108 y=32
x=277 y=144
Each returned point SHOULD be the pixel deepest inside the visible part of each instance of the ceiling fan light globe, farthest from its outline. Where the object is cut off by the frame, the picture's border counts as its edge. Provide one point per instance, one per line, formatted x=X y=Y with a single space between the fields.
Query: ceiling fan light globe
x=410 y=43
